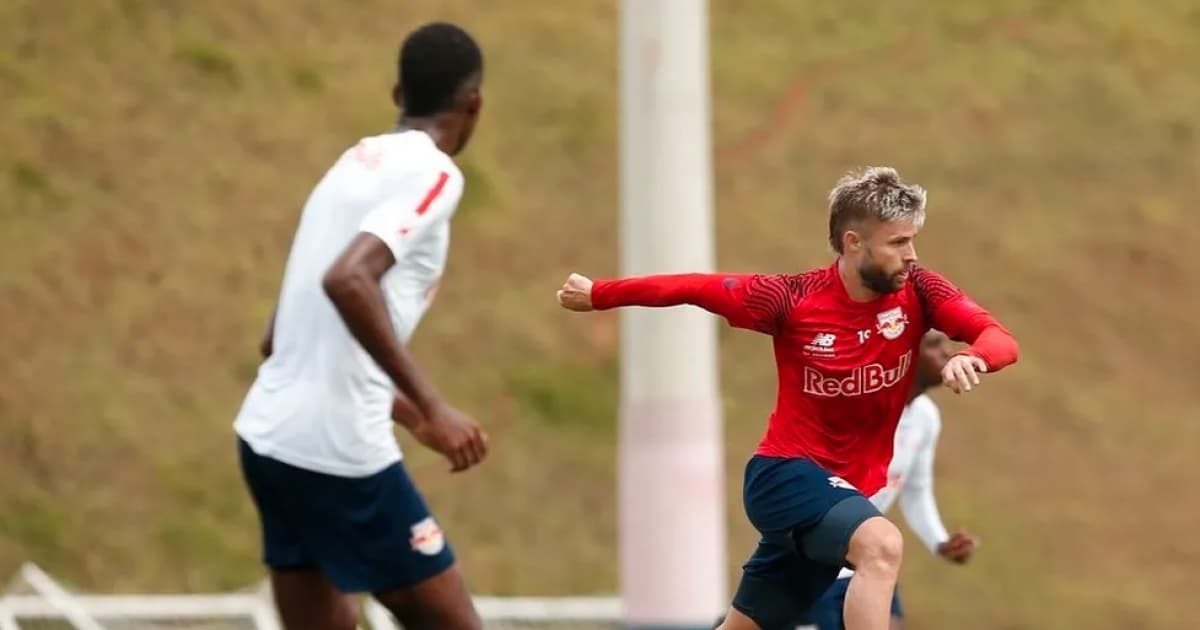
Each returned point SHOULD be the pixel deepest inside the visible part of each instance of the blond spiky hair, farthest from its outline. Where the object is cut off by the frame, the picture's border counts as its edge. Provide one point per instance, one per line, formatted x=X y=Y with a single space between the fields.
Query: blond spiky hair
x=875 y=193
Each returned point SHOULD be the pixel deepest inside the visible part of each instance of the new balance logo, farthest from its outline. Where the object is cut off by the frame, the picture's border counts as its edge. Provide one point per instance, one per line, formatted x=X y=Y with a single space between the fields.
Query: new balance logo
x=864 y=379
x=821 y=345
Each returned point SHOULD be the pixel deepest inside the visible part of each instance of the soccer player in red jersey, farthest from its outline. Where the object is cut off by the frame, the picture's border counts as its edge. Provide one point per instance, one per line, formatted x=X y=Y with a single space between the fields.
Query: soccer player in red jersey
x=846 y=338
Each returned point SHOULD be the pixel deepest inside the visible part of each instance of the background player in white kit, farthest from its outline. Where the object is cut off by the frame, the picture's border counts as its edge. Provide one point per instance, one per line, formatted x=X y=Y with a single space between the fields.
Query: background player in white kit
x=910 y=479
x=339 y=514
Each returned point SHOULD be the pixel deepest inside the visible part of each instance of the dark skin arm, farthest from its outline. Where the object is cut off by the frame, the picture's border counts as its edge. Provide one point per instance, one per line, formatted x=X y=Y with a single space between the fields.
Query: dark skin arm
x=268 y=339
x=352 y=284
x=404 y=412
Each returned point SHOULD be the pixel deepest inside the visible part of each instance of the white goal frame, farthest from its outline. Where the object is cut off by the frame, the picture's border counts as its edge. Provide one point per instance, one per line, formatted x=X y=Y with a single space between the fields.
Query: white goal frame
x=51 y=601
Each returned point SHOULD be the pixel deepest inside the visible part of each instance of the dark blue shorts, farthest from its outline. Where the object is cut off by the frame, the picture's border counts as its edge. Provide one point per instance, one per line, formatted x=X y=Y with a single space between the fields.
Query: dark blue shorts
x=806 y=516
x=366 y=534
x=827 y=613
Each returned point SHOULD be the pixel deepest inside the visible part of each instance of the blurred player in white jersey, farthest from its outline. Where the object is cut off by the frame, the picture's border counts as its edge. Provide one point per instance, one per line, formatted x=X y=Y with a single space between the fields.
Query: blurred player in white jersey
x=910 y=480
x=339 y=514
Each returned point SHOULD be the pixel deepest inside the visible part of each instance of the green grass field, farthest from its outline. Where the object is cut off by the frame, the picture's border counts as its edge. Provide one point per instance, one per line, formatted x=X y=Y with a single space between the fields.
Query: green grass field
x=155 y=155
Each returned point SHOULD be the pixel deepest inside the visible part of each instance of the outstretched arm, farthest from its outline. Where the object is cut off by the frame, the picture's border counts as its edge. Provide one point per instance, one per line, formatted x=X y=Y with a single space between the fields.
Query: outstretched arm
x=755 y=302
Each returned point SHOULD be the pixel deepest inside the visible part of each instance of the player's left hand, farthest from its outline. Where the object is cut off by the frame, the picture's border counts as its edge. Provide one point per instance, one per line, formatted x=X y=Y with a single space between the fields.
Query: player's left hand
x=959 y=548
x=962 y=371
x=454 y=435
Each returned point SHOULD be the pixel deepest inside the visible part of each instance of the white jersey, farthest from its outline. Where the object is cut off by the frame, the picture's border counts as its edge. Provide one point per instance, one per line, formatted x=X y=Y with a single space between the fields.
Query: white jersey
x=320 y=402
x=910 y=474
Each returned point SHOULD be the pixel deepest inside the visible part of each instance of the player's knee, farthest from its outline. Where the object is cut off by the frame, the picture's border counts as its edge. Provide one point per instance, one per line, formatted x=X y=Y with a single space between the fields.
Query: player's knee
x=877 y=547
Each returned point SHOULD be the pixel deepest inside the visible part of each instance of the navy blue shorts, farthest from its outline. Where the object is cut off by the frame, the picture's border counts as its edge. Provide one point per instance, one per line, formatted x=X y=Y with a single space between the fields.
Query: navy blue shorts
x=366 y=534
x=827 y=613
x=806 y=516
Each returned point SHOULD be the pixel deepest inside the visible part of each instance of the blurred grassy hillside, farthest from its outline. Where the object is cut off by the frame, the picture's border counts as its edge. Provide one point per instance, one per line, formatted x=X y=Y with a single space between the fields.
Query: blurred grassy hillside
x=155 y=155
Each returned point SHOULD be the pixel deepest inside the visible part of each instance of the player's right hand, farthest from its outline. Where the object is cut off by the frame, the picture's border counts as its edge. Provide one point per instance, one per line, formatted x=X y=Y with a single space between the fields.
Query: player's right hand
x=455 y=435
x=962 y=371
x=576 y=293
x=959 y=548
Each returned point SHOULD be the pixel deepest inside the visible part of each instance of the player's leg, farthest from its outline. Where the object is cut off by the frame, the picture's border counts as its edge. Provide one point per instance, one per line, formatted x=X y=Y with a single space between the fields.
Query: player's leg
x=304 y=597
x=736 y=620
x=875 y=551
x=307 y=600
x=826 y=614
x=376 y=535
x=826 y=513
x=441 y=601
x=794 y=504
x=897 y=611
x=776 y=590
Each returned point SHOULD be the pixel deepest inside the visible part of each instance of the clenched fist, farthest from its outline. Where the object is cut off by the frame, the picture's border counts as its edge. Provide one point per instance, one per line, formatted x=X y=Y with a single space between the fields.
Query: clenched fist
x=455 y=435
x=576 y=293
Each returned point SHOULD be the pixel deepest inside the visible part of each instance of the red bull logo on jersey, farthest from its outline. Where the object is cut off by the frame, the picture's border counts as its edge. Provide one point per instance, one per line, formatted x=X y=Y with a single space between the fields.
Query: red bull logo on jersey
x=864 y=379
x=891 y=323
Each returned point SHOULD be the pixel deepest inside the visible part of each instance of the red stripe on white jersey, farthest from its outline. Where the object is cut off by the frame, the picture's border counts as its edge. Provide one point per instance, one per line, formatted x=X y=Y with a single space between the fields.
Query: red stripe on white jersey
x=430 y=197
x=433 y=193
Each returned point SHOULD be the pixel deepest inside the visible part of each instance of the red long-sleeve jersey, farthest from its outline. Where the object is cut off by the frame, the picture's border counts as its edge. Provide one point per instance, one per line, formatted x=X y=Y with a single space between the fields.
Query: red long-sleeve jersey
x=845 y=367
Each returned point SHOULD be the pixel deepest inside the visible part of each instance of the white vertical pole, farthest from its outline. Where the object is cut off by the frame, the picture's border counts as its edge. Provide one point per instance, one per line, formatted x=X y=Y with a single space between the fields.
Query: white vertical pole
x=671 y=490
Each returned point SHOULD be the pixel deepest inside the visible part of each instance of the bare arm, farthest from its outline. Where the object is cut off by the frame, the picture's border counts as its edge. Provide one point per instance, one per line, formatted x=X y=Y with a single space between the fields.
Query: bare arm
x=352 y=284
x=267 y=345
x=424 y=199
x=404 y=412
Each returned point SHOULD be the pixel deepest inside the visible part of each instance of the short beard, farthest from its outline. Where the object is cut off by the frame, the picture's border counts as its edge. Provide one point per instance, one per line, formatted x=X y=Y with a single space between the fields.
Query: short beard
x=876 y=279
